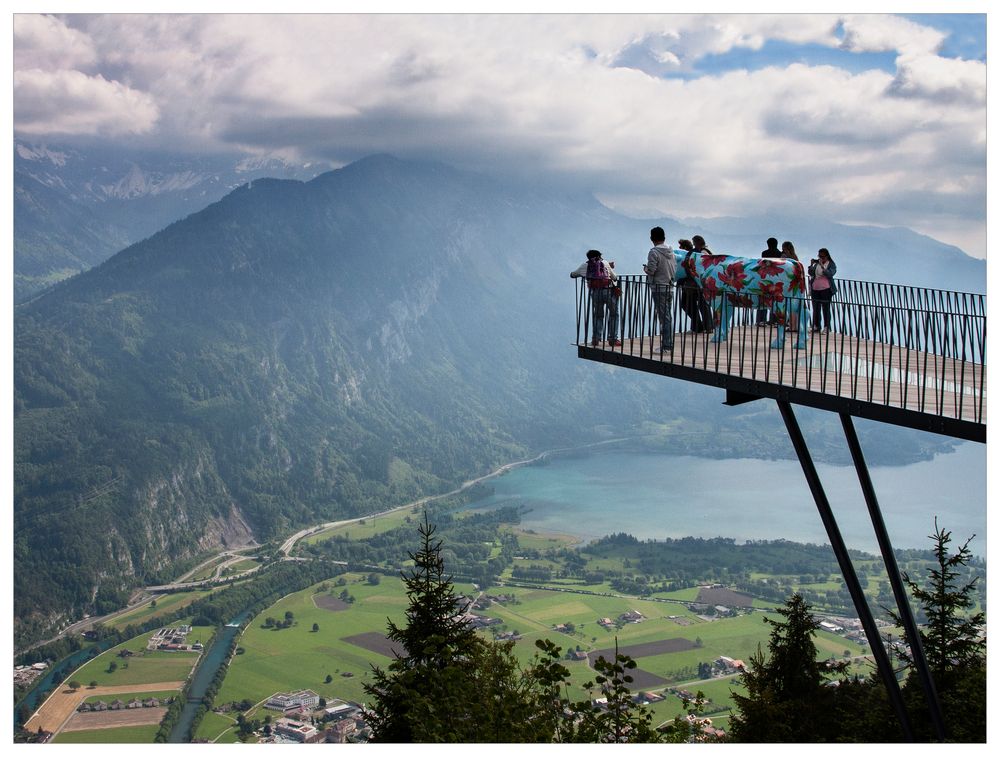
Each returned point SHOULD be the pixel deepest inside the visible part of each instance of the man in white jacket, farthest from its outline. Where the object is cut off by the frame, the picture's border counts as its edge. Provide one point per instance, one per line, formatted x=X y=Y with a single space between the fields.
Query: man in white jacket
x=661 y=265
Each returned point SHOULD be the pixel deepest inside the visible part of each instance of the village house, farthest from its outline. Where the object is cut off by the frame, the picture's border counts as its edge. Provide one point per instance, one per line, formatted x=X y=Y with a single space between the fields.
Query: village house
x=117 y=705
x=134 y=704
x=578 y=655
x=632 y=616
x=728 y=665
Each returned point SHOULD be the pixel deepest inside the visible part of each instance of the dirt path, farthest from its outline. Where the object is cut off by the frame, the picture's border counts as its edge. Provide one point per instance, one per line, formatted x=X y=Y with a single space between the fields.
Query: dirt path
x=60 y=706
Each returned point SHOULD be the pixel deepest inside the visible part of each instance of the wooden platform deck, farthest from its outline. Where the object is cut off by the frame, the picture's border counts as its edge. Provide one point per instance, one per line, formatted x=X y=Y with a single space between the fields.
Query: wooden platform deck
x=834 y=371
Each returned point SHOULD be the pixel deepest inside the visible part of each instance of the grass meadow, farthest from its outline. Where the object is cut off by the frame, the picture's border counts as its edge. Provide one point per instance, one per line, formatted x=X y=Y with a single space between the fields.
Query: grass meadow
x=297 y=657
x=214 y=725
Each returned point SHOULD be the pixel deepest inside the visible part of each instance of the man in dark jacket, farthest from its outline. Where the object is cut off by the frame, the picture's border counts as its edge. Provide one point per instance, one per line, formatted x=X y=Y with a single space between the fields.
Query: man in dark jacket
x=765 y=316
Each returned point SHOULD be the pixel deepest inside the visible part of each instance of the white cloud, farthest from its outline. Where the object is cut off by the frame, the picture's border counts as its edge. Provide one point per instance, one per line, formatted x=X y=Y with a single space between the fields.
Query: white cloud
x=876 y=33
x=70 y=102
x=578 y=98
x=944 y=80
x=46 y=43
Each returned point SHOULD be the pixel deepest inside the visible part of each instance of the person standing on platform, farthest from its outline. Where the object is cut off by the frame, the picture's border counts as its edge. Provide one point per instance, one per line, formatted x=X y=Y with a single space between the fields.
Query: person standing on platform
x=823 y=287
x=764 y=315
x=660 y=267
x=705 y=320
x=601 y=282
x=788 y=253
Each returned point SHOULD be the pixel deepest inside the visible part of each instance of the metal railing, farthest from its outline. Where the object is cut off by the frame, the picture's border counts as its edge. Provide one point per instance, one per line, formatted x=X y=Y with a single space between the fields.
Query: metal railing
x=907 y=347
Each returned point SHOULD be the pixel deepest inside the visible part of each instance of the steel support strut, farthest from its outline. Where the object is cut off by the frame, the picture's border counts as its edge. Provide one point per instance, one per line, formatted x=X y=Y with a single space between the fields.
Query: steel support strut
x=846 y=568
x=895 y=579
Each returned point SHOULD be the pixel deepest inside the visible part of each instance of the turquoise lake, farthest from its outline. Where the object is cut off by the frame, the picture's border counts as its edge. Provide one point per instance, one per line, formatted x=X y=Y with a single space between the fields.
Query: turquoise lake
x=654 y=496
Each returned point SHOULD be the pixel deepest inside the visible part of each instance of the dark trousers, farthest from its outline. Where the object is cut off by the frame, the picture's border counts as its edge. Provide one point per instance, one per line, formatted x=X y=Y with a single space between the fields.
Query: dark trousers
x=821 y=306
x=694 y=305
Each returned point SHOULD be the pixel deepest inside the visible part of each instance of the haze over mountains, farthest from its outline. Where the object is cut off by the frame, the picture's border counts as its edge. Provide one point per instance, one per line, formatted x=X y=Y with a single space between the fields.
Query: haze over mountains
x=302 y=351
x=76 y=207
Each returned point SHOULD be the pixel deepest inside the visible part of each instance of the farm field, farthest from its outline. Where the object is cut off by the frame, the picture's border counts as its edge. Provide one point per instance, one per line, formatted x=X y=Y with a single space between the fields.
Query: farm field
x=296 y=657
x=136 y=734
x=293 y=658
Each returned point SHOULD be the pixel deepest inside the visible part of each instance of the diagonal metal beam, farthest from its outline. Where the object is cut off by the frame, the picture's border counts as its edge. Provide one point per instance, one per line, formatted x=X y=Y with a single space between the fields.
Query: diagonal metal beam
x=847 y=568
x=895 y=579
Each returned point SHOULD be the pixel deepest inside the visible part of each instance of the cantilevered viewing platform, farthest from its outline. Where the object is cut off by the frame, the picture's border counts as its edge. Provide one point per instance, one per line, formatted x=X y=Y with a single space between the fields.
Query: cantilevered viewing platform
x=903 y=355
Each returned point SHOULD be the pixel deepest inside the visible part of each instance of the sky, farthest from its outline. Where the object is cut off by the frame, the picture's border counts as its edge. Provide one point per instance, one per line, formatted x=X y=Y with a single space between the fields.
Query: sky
x=858 y=118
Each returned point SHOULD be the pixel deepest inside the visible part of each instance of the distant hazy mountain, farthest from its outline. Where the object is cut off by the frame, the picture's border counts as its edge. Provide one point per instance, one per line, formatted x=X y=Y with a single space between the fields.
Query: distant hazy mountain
x=302 y=351
x=869 y=253
x=75 y=207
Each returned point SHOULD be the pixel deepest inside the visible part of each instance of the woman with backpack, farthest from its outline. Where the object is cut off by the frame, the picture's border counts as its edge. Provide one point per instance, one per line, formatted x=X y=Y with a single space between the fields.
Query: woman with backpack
x=601 y=282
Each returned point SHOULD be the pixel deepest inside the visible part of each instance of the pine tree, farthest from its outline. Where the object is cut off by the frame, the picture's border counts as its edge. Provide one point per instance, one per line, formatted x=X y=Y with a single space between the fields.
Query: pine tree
x=787 y=699
x=952 y=639
x=954 y=644
x=450 y=685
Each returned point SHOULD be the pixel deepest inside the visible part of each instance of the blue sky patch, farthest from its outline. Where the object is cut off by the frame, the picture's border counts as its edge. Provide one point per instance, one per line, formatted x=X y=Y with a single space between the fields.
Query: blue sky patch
x=966 y=33
x=781 y=53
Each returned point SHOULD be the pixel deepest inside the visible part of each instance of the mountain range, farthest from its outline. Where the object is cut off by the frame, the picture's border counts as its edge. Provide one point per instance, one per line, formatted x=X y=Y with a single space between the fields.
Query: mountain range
x=304 y=350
